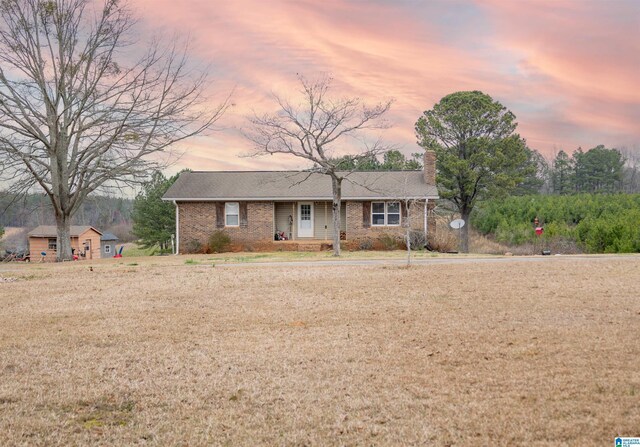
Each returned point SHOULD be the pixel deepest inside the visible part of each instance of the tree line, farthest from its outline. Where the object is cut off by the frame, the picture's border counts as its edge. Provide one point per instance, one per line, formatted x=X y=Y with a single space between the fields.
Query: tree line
x=31 y=210
x=596 y=223
x=598 y=170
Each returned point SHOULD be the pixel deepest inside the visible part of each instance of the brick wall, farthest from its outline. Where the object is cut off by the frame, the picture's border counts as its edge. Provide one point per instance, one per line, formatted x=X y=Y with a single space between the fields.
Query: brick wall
x=356 y=231
x=429 y=169
x=198 y=222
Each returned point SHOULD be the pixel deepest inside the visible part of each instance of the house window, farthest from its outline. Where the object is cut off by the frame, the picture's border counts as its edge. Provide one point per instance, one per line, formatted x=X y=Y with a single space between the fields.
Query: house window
x=385 y=213
x=377 y=213
x=53 y=244
x=232 y=214
x=107 y=249
x=393 y=213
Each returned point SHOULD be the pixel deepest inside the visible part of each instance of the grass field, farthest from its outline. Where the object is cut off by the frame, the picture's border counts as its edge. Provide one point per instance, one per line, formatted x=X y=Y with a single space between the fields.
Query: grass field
x=158 y=351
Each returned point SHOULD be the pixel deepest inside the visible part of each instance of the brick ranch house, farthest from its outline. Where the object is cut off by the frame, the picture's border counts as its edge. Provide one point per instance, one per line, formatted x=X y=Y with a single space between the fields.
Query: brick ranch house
x=291 y=210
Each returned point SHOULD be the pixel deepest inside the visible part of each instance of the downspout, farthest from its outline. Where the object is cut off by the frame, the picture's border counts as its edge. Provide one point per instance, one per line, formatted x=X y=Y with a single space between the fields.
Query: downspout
x=426 y=221
x=177 y=229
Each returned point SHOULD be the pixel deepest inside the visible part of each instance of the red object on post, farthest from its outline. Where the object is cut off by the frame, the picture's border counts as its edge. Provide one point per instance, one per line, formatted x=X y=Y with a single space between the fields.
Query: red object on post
x=539 y=230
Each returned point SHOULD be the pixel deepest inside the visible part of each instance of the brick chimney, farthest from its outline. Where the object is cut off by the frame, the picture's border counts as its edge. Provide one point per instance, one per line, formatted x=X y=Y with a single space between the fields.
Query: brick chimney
x=429 y=167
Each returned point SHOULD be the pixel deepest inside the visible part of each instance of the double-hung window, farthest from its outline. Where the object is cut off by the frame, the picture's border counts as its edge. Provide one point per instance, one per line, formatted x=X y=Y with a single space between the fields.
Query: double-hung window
x=53 y=244
x=232 y=214
x=393 y=213
x=377 y=213
x=385 y=213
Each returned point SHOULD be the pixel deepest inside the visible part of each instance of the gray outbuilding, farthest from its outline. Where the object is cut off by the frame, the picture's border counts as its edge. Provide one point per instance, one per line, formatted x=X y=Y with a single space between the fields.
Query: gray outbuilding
x=108 y=243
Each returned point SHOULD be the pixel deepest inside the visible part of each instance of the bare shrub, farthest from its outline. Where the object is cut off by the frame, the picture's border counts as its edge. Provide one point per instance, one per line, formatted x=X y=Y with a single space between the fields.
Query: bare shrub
x=219 y=242
x=445 y=239
x=389 y=241
x=365 y=244
x=480 y=243
x=417 y=240
x=14 y=238
x=193 y=246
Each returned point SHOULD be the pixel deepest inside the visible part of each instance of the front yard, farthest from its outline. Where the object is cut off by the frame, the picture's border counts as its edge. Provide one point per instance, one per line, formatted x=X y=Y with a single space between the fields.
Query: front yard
x=159 y=351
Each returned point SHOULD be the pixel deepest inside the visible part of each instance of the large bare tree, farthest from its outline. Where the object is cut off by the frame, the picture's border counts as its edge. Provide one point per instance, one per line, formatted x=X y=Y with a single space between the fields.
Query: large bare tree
x=312 y=129
x=79 y=111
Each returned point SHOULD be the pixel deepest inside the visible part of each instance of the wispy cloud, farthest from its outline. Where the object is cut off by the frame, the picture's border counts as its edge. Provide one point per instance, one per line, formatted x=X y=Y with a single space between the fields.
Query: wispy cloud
x=568 y=69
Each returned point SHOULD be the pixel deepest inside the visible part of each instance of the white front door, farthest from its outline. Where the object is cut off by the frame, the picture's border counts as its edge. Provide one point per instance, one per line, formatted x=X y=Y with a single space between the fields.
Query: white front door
x=305 y=219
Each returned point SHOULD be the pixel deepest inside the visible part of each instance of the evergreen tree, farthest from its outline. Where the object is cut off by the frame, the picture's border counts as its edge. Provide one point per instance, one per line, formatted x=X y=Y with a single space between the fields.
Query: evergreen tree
x=598 y=170
x=154 y=220
x=535 y=173
x=562 y=177
x=394 y=160
x=478 y=153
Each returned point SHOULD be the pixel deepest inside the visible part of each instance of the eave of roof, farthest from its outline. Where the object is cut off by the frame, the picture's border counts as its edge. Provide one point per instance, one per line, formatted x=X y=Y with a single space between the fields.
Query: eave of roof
x=51 y=231
x=297 y=185
x=290 y=199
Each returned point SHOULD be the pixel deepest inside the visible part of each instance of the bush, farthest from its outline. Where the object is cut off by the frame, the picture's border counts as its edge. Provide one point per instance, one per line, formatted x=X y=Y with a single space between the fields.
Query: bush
x=219 y=242
x=389 y=241
x=417 y=240
x=193 y=246
x=597 y=223
x=365 y=244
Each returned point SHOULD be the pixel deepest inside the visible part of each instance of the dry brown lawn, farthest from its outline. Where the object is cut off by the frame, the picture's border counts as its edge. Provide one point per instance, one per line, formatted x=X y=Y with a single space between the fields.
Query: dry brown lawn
x=168 y=353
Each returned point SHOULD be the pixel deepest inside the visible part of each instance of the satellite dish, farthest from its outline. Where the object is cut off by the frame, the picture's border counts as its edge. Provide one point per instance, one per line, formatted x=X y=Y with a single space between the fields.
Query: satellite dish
x=457 y=224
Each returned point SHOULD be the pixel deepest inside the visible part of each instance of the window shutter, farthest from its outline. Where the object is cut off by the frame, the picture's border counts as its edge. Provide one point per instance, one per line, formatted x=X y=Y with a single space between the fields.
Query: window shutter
x=243 y=214
x=219 y=214
x=366 y=214
x=404 y=210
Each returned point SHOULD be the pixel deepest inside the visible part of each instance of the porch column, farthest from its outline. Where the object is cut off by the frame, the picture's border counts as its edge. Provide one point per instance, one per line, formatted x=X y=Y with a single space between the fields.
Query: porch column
x=293 y=224
x=325 y=221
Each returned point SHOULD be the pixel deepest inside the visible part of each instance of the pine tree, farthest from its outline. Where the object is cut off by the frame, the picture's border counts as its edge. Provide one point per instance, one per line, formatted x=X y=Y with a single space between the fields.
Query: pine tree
x=154 y=220
x=563 y=174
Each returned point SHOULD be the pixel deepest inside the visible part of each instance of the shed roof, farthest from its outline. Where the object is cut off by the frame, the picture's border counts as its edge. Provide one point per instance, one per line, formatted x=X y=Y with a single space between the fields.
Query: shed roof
x=51 y=231
x=108 y=237
x=297 y=185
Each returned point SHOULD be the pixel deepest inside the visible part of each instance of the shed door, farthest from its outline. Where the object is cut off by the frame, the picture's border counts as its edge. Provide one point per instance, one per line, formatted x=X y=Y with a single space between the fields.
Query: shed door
x=305 y=219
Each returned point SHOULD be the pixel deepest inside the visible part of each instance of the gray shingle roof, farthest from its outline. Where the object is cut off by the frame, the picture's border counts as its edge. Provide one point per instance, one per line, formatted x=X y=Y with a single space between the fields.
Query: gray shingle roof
x=108 y=237
x=50 y=230
x=296 y=185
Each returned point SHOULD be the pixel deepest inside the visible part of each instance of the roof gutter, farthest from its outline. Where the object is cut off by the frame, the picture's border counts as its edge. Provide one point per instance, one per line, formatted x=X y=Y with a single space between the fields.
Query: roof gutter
x=285 y=199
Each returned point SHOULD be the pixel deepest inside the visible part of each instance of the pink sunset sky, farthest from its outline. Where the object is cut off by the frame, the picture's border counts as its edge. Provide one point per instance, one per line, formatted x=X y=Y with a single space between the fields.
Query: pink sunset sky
x=568 y=69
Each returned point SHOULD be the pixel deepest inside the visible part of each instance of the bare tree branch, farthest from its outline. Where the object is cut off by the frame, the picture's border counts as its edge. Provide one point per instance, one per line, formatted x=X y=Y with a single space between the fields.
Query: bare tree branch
x=73 y=118
x=312 y=130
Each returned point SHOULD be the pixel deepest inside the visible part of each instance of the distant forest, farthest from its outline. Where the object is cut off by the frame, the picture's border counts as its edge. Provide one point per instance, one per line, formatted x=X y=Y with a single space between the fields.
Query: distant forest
x=35 y=209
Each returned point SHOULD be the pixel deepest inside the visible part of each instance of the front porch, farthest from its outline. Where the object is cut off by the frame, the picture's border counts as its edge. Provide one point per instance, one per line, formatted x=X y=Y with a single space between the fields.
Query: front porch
x=307 y=223
x=304 y=245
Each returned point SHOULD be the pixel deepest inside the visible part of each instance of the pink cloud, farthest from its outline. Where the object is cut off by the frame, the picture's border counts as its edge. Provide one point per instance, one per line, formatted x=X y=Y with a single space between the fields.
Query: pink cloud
x=567 y=70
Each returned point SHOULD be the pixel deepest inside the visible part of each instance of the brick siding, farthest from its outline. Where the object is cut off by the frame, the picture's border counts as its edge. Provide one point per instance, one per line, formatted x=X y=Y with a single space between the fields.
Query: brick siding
x=356 y=231
x=198 y=222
